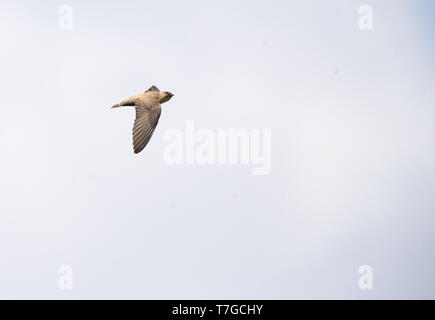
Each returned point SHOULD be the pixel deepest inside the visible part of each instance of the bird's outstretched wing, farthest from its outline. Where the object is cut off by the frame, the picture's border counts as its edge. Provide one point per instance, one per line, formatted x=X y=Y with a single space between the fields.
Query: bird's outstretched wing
x=153 y=88
x=144 y=125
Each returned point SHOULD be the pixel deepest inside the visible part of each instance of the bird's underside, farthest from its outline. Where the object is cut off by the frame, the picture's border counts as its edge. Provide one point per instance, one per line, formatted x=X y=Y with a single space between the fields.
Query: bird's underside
x=148 y=111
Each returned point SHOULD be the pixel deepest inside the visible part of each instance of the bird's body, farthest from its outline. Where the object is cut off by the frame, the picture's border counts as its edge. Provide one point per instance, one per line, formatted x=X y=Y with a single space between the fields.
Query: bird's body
x=148 y=109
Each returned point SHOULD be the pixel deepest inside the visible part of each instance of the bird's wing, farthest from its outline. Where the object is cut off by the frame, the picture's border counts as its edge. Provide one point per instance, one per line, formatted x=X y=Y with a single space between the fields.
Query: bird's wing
x=153 y=88
x=144 y=125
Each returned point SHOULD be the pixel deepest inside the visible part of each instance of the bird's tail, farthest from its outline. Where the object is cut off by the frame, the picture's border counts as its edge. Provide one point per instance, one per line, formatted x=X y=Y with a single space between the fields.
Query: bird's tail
x=116 y=106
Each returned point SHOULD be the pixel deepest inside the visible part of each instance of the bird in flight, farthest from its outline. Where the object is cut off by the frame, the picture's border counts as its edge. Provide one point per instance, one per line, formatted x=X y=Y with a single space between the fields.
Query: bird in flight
x=148 y=111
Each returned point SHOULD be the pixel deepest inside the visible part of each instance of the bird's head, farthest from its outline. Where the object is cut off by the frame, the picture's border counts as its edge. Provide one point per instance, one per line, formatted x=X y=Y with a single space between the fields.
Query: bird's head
x=165 y=96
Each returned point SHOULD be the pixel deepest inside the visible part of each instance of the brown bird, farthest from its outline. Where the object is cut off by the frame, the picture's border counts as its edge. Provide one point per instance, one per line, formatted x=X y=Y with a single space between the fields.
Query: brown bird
x=147 y=114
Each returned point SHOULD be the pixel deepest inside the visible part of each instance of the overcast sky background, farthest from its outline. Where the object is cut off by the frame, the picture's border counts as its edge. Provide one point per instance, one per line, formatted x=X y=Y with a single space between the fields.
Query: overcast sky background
x=352 y=118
